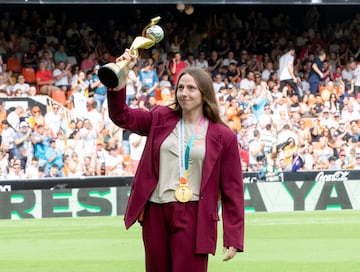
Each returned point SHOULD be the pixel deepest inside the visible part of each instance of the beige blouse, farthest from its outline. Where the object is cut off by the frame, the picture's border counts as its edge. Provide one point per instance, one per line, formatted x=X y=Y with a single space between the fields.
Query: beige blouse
x=169 y=173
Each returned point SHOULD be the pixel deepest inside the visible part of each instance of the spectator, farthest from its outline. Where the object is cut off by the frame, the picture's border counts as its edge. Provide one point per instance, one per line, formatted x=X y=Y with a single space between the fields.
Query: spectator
x=15 y=116
x=62 y=76
x=88 y=167
x=88 y=134
x=3 y=85
x=75 y=145
x=190 y=61
x=269 y=68
x=16 y=172
x=330 y=98
x=100 y=158
x=132 y=84
x=248 y=84
x=349 y=114
x=114 y=162
x=95 y=117
x=48 y=60
x=149 y=81
x=256 y=150
x=218 y=83
x=32 y=170
x=201 y=61
x=233 y=75
x=79 y=103
x=316 y=73
x=286 y=71
x=89 y=63
x=23 y=147
x=52 y=120
x=214 y=63
x=54 y=158
x=261 y=97
x=60 y=55
x=4 y=162
x=40 y=139
x=3 y=115
x=357 y=161
x=74 y=166
x=44 y=80
x=99 y=89
x=53 y=171
x=343 y=161
x=30 y=57
x=79 y=81
x=20 y=85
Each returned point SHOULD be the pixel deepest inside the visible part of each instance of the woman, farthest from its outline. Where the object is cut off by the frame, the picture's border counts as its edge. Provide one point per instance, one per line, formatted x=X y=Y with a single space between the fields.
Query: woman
x=180 y=227
x=333 y=103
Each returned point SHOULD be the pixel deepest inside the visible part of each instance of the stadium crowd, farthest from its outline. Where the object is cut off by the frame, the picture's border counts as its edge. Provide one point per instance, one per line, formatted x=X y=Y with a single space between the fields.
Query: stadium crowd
x=290 y=92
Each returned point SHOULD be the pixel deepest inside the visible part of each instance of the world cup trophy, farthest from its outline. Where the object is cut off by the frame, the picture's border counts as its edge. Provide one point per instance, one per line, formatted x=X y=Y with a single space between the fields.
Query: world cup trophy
x=114 y=75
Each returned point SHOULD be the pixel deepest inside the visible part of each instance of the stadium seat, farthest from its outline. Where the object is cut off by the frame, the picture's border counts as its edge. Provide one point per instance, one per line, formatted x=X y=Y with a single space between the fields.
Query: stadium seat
x=13 y=64
x=59 y=96
x=29 y=74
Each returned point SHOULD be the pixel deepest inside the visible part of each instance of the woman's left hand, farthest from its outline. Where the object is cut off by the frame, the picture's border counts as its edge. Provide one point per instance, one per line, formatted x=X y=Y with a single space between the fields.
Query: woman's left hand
x=230 y=253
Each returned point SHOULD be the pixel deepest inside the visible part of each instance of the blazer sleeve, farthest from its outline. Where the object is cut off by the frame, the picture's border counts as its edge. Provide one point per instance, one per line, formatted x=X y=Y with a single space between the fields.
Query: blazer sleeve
x=136 y=120
x=232 y=195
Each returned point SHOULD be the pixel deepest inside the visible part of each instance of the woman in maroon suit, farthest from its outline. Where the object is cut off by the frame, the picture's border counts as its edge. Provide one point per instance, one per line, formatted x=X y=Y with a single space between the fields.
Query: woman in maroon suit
x=189 y=163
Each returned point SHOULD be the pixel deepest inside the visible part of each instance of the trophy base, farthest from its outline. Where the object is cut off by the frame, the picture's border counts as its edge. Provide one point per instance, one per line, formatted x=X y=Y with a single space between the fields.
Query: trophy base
x=109 y=75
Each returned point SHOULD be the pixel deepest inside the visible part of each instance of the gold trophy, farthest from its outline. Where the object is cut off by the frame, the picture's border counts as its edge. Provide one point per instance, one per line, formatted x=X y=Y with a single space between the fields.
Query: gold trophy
x=114 y=75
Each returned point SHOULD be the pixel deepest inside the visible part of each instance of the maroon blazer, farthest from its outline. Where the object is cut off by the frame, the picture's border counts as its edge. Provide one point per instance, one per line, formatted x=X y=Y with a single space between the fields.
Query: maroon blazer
x=221 y=172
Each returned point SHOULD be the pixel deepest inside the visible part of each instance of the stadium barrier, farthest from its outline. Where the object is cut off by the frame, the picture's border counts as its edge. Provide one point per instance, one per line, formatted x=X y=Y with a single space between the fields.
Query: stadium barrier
x=107 y=196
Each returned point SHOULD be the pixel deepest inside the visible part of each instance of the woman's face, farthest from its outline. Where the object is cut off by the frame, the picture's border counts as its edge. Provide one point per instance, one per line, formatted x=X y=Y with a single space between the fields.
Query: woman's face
x=188 y=94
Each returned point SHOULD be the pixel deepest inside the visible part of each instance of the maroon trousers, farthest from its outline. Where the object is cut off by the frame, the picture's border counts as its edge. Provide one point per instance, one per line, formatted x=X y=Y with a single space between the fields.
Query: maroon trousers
x=169 y=238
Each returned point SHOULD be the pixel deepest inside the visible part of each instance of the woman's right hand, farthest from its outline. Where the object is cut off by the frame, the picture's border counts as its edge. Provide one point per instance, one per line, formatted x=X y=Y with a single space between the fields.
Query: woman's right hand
x=127 y=56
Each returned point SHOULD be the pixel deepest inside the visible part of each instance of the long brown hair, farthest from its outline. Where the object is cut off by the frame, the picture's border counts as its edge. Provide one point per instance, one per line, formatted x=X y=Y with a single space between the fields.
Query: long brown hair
x=206 y=88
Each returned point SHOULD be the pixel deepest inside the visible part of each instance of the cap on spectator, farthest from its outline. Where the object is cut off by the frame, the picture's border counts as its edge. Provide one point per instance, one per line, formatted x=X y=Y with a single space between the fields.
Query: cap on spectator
x=357 y=156
x=326 y=109
x=337 y=114
x=23 y=124
x=336 y=133
x=97 y=67
x=230 y=86
x=342 y=121
x=222 y=88
x=5 y=122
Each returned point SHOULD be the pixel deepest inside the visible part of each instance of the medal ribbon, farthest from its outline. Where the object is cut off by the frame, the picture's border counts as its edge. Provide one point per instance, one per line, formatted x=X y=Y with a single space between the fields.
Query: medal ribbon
x=184 y=156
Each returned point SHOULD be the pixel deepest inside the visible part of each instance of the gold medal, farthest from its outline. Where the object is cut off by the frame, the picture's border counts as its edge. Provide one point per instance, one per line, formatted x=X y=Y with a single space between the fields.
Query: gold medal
x=183 y=193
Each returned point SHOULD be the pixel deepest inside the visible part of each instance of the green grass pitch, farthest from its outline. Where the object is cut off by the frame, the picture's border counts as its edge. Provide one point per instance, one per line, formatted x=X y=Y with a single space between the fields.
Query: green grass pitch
x=326 y=241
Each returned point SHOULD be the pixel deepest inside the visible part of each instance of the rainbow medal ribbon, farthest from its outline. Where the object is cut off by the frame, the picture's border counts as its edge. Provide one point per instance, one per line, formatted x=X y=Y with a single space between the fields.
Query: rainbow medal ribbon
x=183 y=192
